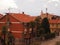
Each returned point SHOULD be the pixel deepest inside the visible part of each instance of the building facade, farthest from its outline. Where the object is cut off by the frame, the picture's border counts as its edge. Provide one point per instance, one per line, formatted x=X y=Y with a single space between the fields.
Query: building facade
x=54 y=21
x=16 y=23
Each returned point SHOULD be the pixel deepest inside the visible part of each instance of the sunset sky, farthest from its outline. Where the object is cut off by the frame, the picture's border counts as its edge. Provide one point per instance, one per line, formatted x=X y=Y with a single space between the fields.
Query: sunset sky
x=31 y=7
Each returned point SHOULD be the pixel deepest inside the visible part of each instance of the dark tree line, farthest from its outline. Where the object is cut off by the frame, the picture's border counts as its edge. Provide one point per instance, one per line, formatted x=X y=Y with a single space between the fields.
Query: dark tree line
x=46 y=25
x=42 y=27
x=6 y=37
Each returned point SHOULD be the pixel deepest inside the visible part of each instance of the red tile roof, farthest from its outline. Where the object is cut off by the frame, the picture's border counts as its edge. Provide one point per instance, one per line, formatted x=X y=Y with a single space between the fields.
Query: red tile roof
x=6 y=17
x=58 y=21
x=54 y=21
x=23 y=17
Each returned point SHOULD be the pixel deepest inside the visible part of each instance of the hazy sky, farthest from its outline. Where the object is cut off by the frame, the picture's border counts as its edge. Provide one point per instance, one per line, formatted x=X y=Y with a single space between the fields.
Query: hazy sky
x=31 y=7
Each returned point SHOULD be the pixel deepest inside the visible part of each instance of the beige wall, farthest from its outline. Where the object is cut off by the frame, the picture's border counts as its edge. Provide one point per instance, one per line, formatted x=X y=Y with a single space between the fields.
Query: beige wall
x=54 y=27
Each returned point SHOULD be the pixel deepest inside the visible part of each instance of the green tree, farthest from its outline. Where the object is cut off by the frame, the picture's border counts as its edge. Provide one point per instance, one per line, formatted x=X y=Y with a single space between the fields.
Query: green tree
x=11 y=39
x=46 y=25
x=32 y=26
x=4 y=32
x=38 y=26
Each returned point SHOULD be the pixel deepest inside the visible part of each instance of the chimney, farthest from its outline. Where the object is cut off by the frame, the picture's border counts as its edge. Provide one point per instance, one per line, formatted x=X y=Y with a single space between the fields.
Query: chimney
x=46 y=13
x=22 y=12
x=46 y=10
x=41 y=12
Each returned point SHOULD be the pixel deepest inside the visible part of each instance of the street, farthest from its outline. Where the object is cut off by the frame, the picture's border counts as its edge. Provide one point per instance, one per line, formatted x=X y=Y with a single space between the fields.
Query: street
x=52 y=41
x=48 y=42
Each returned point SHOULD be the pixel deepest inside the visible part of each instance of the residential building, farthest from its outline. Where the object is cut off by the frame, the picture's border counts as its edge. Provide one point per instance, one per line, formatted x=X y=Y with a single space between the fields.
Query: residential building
x=15 y=23
x=54 y=21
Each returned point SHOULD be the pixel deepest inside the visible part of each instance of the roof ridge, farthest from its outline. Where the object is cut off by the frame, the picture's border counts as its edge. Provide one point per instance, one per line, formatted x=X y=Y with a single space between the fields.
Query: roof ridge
x=2 y=17
x=15 y=18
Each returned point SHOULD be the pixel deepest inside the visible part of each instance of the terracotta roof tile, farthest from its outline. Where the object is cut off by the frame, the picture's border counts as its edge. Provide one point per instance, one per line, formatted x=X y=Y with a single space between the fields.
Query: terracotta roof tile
x=23 y=17
x=11 y=19
x=54 y=21
x=58 y=21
